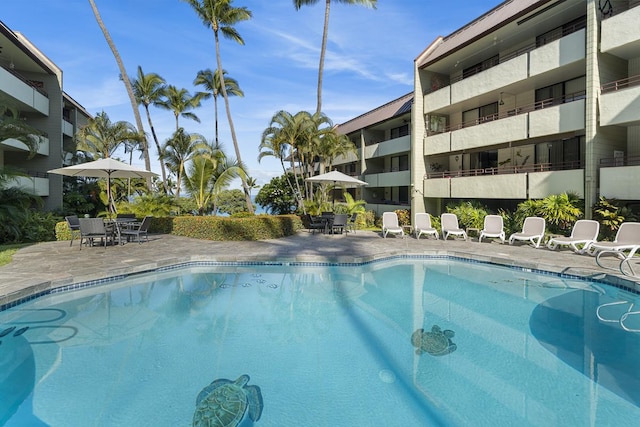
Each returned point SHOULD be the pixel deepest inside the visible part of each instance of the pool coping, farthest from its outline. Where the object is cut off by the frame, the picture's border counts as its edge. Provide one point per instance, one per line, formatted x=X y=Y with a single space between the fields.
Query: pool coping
x=71 y=282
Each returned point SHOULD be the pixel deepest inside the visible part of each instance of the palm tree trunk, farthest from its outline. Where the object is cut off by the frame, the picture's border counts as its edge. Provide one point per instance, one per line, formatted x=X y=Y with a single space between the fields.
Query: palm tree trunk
x=127 y=84
x=215 y=109
x=155 y=139
x=231 y=127
x=322 y=53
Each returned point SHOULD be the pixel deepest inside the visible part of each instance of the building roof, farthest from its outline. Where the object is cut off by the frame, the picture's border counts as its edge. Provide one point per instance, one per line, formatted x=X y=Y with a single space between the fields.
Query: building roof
x=505 y=12
x=387 y=111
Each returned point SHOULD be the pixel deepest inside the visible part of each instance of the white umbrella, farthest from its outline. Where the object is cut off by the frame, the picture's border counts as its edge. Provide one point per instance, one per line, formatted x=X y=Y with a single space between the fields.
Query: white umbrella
x=104 y=168
x=336 y=177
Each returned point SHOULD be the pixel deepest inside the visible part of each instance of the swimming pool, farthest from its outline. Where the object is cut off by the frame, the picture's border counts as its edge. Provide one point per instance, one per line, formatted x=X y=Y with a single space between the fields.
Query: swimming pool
x=327 y=345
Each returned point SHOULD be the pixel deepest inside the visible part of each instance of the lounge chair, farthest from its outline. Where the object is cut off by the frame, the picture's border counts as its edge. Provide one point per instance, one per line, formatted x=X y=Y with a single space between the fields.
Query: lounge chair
x=627 y=237
x=74 y=226
x=92 y=228
x=423 y=226
x=625 y=254
x=584 y=232
x=138 y=230
x=493 y=227
x=532 y=230
x=390 y=224
x=449 y=226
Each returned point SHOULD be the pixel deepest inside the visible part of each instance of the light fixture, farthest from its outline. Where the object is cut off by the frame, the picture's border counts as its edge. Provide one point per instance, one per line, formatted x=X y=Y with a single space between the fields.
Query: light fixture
x=12 y=65
x=501 y=102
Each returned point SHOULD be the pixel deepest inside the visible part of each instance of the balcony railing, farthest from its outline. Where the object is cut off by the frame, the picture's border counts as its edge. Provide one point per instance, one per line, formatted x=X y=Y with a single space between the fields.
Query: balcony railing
x=620 y=161
x=609 y=8
x=539 y=105
x=26 y=81
x=620 y=84
x=537 y=167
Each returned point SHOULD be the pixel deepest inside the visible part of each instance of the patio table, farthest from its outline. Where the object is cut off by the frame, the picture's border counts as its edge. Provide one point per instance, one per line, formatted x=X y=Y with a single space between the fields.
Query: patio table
x=118 y=224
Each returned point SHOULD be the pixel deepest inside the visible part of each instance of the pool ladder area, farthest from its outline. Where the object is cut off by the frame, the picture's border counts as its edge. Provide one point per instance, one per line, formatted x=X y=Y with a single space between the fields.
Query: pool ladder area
x=623 y=318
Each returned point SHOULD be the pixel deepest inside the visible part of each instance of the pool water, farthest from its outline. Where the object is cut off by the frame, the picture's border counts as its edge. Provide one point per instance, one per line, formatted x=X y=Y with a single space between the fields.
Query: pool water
x=327 y=346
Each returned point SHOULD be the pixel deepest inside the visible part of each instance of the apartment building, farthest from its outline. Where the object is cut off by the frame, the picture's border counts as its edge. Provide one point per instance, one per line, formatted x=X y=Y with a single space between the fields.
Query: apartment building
x=533 y=98
x=383 y=155
x=31 y=83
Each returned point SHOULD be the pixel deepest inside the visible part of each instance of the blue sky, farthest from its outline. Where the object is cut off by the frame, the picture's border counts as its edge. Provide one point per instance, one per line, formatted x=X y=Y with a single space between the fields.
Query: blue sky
x=369 y=57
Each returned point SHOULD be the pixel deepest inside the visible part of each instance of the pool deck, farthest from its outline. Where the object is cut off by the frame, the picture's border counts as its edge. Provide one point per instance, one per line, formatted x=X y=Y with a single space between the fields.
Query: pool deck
x=50 y=265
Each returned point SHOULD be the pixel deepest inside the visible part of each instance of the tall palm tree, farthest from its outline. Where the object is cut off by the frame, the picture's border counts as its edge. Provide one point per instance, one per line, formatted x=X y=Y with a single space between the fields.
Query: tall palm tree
x=298 y=4
x=149 y=89
x=221 y=16
x=180 y=102
x=127 y=83
x=101 y=137
x=179 y=149
x=213 y=85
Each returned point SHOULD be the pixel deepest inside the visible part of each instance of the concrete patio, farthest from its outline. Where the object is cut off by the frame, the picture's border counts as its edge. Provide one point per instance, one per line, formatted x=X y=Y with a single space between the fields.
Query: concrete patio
x=51 y=265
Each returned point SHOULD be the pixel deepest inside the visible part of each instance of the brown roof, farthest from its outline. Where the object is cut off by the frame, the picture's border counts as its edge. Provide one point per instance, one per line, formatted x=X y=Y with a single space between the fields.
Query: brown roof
x=385 y=112
x=498 y=16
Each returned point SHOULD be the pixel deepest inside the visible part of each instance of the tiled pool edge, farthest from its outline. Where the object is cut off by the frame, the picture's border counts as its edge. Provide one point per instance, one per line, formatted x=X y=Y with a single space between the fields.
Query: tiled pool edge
x=72 y=283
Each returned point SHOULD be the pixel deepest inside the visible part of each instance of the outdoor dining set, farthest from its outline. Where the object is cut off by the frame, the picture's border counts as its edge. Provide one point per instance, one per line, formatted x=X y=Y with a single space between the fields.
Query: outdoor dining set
x=332 y=223
x=123 y=227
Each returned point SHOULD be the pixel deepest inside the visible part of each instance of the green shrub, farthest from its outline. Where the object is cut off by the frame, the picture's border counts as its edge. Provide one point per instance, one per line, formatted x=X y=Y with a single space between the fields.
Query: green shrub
x=404 y=216
x=258 y=227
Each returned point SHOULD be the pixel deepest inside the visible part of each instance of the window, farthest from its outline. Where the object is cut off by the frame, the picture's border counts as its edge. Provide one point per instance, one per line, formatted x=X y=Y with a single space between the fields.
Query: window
x=400 y=131
x=563 y=30
x=486 y=113
x=559 y=93
x=400 y=163
x=437 y=124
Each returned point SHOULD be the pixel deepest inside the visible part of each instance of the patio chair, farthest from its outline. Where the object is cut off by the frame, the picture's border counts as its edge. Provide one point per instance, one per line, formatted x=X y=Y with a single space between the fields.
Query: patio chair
x=449 y=226
x=584 y=232
x=493 y=227
x=390 y=224
x=423 y=225
x=352 y=223
x=339 y=223
x=532 y=230
x=315 y=223
x=625 y=254
x=74 y=226
x=627 y=237
x=92 y=228
x=139 y=230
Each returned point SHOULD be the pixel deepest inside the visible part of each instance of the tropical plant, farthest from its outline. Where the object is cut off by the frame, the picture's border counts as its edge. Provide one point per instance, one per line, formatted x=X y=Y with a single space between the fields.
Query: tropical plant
x=470 y=214
x=277 y=196
x=609 y=216
x=221 y=16
x=352 y=205
x=252 y=184
x=127 y=83
x=212 y=84
x=157 y=205
x=298 y=4
x=12 y=126
x=149 y=89
x=231 y=202
x=101 y=137
x=180 y=102
x=178 y=150
x=560 y=212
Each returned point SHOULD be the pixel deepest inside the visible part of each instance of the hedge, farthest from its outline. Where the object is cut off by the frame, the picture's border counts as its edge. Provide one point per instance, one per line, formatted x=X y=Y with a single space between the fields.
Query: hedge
x=259 y=227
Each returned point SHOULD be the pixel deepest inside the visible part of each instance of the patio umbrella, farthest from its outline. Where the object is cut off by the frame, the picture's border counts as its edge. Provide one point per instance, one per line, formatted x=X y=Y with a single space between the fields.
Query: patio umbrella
x=336 y=177
x=104 y=168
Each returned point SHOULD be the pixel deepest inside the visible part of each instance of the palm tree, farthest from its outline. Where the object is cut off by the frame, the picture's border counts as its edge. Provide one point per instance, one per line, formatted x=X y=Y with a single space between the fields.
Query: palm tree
x=149 y=89
x=252 y=183
x=179 y=149
x=220 y=16
x=180 y=102
x=298 y=4
x=212 y=83
x=100 y=137
x=127 y=84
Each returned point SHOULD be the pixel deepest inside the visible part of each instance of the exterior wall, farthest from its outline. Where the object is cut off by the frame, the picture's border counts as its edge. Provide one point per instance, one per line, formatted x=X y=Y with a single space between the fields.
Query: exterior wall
x=615 y=182
x=560 y=119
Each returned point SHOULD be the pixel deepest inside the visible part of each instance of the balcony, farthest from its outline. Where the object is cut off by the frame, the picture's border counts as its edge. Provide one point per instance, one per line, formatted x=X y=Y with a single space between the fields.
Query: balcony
x=437 y=143
x=11 y=143
x=619 y=178
x=345 y=158
x=388 y=179
x=386 y=148
x=67 y=128
x=620 y=102
x=557 y=54
x=33 y=184
x=490 y=132
x=620 y=36
x=534 y=181
x=19 y=89
x=555 y=119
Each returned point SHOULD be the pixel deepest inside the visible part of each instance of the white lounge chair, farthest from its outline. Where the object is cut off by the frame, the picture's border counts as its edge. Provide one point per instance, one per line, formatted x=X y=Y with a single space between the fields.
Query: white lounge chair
x=584 y=232
x=625 y=255
x=423 y=225
x=493 y=227
x=390 y=224
x=449 y=226
x=532 y=230
x=627 y=237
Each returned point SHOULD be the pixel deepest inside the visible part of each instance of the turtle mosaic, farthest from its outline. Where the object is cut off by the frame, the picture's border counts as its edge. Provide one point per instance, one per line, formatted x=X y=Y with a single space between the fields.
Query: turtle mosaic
x=223 y=403
x=435 y=342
